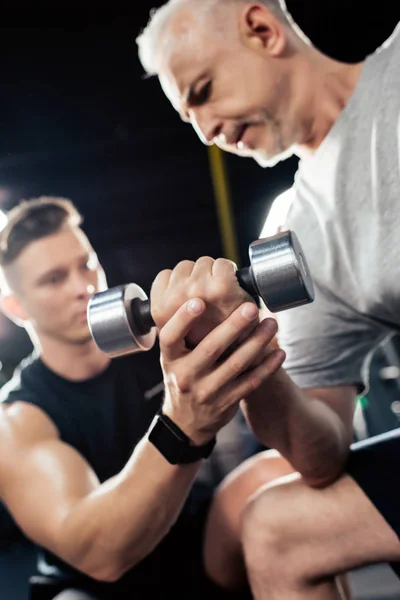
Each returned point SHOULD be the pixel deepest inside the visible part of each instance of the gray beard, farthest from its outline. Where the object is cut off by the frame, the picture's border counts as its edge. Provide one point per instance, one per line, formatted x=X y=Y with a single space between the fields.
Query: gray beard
x=266 y=161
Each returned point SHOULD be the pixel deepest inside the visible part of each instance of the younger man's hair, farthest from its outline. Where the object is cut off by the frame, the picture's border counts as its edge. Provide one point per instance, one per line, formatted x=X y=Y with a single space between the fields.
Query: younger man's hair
x=32 y=220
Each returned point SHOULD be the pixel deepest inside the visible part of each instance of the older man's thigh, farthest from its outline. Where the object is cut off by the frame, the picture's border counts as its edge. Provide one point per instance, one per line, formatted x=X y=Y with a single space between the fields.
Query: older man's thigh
x=318 y=532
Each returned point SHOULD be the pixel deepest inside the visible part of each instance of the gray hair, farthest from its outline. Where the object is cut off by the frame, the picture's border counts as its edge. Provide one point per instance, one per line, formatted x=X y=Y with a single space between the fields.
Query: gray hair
x=149 y=41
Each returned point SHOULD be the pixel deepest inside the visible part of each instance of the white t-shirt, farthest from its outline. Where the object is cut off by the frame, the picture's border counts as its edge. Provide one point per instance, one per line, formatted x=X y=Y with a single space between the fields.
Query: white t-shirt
x=346 y=214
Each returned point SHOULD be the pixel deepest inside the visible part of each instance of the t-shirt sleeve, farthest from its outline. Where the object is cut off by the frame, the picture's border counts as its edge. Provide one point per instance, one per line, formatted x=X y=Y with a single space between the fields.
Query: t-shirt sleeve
x=327 y=343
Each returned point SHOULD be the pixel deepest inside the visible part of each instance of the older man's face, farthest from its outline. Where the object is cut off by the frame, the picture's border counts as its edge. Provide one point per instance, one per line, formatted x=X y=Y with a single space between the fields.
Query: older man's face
x=234 y=96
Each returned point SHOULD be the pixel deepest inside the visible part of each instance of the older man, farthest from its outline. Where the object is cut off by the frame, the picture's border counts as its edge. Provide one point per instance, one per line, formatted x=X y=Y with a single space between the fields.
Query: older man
x=248 y=80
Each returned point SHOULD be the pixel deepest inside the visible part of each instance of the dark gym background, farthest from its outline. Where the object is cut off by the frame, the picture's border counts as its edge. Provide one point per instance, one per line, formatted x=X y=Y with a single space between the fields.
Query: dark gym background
x=78 y=120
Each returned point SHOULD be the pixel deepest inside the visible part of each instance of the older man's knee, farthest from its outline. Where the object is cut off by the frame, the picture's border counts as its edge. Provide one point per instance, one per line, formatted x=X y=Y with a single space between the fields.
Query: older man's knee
x=262 y=527
x=268 y=522
x=223 y=541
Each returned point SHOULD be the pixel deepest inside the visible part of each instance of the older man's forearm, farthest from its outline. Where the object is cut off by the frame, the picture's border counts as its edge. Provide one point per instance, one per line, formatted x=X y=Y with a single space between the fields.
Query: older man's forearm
x=304 y=429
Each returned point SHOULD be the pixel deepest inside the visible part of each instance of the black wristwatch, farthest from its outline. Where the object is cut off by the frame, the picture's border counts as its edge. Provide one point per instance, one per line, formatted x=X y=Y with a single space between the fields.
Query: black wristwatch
x=174 y=444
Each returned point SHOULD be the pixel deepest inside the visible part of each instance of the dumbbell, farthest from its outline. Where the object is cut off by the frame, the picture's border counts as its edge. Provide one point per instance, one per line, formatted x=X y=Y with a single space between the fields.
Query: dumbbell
x=120 y=319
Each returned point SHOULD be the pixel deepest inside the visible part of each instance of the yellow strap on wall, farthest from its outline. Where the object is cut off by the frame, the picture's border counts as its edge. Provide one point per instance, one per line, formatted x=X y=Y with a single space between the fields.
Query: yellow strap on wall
x=219 y=177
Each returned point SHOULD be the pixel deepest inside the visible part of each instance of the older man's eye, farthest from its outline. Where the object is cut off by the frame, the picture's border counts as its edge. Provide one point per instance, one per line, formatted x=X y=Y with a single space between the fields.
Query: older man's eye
x=198 y=97
x=204 y=93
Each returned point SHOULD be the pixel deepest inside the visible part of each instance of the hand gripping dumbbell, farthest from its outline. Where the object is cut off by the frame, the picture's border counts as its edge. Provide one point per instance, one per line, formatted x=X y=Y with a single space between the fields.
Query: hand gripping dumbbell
x=120 y=320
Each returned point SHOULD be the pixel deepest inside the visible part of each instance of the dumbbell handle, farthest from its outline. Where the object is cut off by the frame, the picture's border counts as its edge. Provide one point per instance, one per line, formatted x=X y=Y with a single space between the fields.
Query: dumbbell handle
x=141 y=310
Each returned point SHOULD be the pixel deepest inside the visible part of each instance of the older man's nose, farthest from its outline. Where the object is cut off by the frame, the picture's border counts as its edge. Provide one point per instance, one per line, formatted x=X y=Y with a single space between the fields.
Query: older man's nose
x=206 y=128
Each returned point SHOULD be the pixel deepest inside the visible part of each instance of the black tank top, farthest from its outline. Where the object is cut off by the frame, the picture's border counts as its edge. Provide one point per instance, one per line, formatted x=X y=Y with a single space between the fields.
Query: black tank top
x=104 y=418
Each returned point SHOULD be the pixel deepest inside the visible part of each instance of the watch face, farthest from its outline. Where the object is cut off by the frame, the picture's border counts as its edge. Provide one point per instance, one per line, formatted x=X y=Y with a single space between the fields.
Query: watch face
x=174 y=445
x=168 y=443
